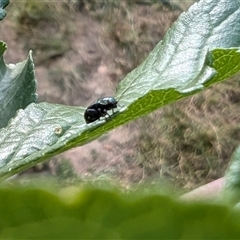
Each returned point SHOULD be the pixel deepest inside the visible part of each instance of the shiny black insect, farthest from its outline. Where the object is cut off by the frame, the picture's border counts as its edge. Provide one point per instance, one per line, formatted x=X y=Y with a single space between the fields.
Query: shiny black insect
x=99 y=109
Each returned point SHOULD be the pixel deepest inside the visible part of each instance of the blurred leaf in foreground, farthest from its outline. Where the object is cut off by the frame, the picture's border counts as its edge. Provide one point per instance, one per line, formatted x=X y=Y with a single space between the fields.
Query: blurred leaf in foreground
x=186 y=60
x=91 y=213
x=231 y=190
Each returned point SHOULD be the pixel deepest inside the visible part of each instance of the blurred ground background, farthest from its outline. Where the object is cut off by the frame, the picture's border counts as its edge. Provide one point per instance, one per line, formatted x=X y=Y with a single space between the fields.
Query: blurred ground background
x=81 y=50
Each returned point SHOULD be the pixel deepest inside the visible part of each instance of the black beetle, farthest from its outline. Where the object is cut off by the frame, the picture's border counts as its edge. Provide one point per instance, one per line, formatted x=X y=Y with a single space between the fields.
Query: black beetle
x=99 y=109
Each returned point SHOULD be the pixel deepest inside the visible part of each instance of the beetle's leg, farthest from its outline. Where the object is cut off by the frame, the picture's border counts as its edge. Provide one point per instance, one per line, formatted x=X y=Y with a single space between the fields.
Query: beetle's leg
x=113 y=110
x=103 y=112
x=108 y=117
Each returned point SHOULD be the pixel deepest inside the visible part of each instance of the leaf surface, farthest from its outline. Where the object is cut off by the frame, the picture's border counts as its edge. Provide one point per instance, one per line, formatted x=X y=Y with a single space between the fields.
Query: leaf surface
x=3 y=4
x=17 y=86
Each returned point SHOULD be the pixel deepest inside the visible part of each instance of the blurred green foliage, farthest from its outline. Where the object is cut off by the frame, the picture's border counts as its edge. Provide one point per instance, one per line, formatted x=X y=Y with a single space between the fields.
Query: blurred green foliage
x=90 y=213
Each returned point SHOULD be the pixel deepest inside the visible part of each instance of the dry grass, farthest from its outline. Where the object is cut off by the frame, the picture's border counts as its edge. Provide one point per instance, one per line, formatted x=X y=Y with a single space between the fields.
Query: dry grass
x=190 y=142
x=43 y=27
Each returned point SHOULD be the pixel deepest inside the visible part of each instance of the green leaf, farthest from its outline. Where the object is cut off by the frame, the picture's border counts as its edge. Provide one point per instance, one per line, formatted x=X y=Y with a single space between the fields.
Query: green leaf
x=226 y=62
x=231 y=190
x=3 y=4
x=17 y=86
x=186 y=60
x=36 y=133
x=92 y=213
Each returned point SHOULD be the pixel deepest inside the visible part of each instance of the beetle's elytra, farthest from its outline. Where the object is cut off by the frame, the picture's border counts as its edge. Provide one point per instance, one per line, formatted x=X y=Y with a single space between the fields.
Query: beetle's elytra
x=99 y=109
